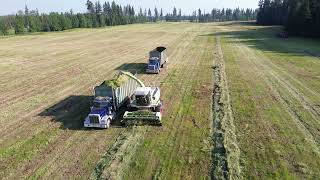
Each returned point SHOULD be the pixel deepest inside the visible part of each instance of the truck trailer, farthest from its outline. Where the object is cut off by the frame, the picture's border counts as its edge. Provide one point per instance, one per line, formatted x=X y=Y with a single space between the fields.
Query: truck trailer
x=109 y=97
x=157 y=59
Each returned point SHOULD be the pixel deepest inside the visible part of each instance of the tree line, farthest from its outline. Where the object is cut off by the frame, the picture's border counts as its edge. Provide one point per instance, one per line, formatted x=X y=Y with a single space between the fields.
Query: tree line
x=221 y=15
x=109 y=14
x=300 y=17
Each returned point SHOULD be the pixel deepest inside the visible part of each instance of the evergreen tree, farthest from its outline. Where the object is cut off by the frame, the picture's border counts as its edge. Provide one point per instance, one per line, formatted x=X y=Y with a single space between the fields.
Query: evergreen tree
x=161 y=14
x=19 y=24
x=90 y=7
x=174 y=13
x=149 y=15
x=45 y=26
x=200 y=19
x=26 y=18
x=34 y=24
x=4 y=27
x=108 y=12
x=54 y=22
x=82 y=20
x=156 y=14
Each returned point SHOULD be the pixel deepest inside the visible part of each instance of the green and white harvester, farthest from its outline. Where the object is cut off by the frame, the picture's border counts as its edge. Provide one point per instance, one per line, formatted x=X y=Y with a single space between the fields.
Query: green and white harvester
x=145 y=107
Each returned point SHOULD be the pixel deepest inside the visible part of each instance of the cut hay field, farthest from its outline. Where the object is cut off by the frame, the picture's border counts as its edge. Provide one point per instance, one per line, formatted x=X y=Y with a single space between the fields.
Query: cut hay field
x=239 y=103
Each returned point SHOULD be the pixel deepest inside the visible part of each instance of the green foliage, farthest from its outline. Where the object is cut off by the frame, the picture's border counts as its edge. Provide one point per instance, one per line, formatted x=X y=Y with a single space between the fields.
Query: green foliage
x=300 y=17
x=54 y=22
x=4 y=27
x=34 y=24
x=19 y=24
x=65 y=22
x=109 y=14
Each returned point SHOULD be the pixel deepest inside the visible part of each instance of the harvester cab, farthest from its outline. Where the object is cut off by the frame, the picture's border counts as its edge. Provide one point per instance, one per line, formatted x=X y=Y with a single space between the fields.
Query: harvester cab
x=145 y=107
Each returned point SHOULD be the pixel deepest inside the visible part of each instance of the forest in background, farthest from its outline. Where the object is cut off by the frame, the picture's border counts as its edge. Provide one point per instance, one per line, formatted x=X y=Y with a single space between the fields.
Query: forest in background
x=299 y=17
x=110 y=14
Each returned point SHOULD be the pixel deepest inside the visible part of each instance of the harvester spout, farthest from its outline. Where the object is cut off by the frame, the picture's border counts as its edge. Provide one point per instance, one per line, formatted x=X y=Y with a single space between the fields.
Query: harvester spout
x=134 y=78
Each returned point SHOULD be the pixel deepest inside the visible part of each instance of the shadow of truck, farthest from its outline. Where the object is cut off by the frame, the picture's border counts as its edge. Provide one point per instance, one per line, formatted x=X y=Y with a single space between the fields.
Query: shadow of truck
x=70 y=112
x=134 y=68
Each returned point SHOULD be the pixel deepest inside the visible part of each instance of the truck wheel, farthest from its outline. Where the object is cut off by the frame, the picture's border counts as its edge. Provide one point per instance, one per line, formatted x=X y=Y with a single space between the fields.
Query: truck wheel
x=108 y=123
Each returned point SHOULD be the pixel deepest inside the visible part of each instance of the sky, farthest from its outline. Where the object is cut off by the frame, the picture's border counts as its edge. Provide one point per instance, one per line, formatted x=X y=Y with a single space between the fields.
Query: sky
x=187 y=6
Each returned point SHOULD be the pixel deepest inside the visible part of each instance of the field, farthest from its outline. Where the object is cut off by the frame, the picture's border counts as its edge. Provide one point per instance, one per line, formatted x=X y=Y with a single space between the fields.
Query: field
x=239 y=103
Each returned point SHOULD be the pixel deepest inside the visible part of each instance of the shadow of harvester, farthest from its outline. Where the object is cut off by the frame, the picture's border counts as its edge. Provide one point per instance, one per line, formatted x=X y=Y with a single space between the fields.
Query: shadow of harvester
x=70 y=112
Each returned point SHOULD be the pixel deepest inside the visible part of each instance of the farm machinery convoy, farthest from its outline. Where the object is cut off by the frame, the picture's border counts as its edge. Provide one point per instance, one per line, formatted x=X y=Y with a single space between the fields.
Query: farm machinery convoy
x=143 y=104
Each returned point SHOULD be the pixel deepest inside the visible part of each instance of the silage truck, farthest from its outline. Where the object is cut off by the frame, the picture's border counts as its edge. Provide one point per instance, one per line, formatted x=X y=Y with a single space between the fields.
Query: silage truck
x=109 y=97
x=157 y=59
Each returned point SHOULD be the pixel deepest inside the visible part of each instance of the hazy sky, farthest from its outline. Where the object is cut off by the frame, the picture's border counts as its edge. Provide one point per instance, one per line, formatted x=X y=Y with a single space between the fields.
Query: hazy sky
x=187 y=6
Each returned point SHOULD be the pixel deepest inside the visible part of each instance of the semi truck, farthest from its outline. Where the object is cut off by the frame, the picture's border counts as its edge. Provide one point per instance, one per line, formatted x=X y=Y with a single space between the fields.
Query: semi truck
x=157 y=59
x=109 y=97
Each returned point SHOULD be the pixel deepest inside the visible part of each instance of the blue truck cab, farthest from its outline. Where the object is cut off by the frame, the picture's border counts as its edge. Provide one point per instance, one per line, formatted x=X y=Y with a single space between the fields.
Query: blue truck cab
x=157 y=58
x=154 y=65
x=102 y=112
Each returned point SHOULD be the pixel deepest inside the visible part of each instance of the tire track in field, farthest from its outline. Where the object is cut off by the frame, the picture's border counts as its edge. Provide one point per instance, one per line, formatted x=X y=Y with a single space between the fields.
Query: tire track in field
x=186 y=70
x=268 y=66
x=189 y=71
x=226 y=153
x=299 y=96
x=305 y=101
x=284 y=72
x=272 y=82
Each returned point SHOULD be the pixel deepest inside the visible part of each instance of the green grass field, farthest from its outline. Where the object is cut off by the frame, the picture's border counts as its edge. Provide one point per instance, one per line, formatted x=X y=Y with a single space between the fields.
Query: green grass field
x=240 y=103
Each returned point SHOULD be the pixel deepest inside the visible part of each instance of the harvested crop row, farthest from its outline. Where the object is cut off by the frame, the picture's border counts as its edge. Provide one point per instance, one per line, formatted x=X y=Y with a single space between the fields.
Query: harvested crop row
x=119 y=155
x=226 y=153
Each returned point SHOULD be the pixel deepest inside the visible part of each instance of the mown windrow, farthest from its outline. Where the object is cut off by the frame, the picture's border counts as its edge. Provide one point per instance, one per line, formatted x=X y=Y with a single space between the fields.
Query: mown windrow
x=225 y=152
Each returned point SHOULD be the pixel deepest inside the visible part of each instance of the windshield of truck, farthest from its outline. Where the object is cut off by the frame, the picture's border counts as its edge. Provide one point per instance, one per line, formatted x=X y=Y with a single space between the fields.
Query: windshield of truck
x=100 y=105
x=103 y=92
x=153 y=62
